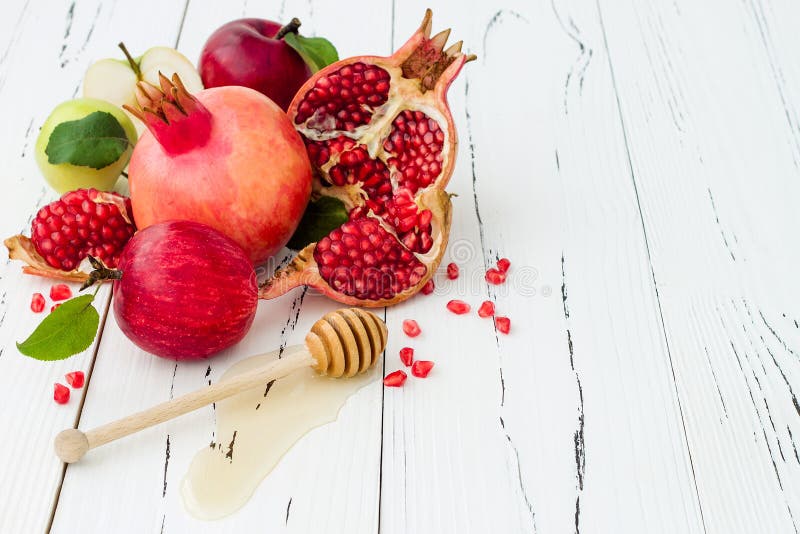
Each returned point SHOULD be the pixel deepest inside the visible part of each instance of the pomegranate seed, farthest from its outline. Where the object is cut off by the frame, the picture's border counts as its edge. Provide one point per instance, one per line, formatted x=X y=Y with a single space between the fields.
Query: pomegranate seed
x=428 y=288
x=75 y=379
x=411 y=328
x=486 y=309
x=421 y=368
x=503 y=264
x=60 y=393
x=54 y=307
x=503 y=324
x=37 y=303
x=363 y=260
x=459 y=307
x=336 y=97
x=395 y=379
x=60 y=292
x=452 y=271
x=82 y=222
x=407 y=356
x=495 y=276
x=415 y=149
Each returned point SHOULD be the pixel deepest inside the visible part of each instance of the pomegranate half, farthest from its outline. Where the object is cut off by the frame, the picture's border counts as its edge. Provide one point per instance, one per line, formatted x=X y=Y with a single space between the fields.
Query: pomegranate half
x=381 y=138
x=185 y=291
x=227 y=157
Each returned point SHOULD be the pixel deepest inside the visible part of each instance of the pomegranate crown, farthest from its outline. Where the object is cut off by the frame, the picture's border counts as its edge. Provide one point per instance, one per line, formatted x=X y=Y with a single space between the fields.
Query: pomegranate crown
x=176 y=118
x=427 y=59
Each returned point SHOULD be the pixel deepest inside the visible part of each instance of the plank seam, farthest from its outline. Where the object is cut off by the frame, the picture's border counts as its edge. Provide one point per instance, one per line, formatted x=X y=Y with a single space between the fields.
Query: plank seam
x=649 y=259
x=101 y=329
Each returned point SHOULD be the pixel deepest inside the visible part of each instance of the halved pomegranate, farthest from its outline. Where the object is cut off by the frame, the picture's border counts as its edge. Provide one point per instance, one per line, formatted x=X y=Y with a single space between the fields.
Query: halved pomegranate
x=381 y=139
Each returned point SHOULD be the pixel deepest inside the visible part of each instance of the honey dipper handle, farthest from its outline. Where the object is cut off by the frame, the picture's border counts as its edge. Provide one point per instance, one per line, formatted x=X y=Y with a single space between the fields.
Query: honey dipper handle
x=72 y=444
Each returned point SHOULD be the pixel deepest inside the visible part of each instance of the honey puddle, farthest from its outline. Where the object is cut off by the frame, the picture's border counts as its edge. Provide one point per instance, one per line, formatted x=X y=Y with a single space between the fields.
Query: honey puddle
x=255 y=431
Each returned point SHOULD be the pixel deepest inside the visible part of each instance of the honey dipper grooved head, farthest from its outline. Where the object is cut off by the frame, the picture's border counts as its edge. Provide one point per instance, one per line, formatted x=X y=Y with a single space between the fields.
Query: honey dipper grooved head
x=346 y=342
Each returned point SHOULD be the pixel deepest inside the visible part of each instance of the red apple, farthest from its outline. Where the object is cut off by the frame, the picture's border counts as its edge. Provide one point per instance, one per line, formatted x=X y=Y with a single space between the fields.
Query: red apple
x=252 y=53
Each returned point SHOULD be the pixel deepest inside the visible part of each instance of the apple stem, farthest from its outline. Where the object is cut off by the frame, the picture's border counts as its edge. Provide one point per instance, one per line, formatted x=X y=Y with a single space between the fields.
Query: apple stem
x=292 y=27
x=131 y=61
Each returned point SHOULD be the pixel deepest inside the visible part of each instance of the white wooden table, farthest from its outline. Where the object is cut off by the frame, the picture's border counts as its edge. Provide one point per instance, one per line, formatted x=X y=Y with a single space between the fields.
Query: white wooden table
x=639 y=163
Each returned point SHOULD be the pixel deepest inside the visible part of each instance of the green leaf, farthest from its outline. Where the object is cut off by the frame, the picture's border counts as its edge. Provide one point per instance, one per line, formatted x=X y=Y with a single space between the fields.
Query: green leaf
x=321 y=217
x=95 y=141
x=316 y=51
x=68 y=330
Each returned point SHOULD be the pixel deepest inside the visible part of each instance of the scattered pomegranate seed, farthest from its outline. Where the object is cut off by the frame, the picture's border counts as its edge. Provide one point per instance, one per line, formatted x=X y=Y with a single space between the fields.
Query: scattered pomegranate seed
x=37 y=303
x=411 y=328
x=428 y=288
x=503 y=324
x=495 y=276
x=503 y=264
x=459 y=307
x=395 y=379
x=407 y=356
x=421 y=368
x=452 y=271
x=54 y=306
x=486 y=309
x=60 y=393
x=60 y=292
x=75 y=379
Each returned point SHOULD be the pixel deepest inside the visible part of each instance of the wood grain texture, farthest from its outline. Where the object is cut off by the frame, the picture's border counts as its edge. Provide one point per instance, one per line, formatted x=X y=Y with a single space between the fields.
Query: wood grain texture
x=638 y=162
x=43 y=50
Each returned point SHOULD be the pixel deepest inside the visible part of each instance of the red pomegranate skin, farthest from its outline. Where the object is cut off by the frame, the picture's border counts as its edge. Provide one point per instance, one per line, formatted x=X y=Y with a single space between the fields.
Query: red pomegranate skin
x=251 y=180
x=186 y=292
x=244 y=52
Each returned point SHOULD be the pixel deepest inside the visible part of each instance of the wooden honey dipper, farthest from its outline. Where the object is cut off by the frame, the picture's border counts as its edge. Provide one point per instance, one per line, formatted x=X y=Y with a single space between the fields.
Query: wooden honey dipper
x=343 y=343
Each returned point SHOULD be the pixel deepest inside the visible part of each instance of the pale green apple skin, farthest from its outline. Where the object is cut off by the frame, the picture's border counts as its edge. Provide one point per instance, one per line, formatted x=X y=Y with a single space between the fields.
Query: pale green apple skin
x=66 y=177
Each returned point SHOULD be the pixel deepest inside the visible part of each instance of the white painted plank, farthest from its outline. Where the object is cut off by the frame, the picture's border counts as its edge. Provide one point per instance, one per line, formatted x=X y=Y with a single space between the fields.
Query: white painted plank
x=550 y=182
x=335 y=491
x=713 y=140
x=43 y=54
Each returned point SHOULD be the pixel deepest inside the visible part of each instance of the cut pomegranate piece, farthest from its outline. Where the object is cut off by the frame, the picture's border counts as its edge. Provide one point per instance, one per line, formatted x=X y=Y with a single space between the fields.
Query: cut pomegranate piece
x=37 y=303
x=411 y=328
x=452 y=271
x=459 y=307
x=486 y=309
x=395 y=379
x=495 y=276
x=503 y=324
x=362 y=260
x=381 y=139
x=503 y=264
x=60 y=292
x=428 y=288
x=82 y=223
x=421 y=368
x=60 y=393
x=75 y=379
x=407 y=356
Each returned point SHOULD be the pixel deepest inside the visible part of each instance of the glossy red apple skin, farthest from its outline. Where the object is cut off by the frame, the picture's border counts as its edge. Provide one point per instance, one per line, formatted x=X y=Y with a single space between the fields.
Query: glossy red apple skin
x=187 y=291
x=244 y=52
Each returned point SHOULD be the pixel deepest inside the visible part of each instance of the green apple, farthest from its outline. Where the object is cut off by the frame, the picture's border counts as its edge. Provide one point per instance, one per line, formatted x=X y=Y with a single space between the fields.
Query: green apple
x=65 y=177
x=114 y=80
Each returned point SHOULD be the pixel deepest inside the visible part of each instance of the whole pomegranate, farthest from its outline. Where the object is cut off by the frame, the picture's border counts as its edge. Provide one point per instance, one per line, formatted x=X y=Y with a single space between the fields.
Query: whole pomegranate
x=381 y=138
x=252 y=52
x=185 y=290
x=81 y=223
x=227 y=157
